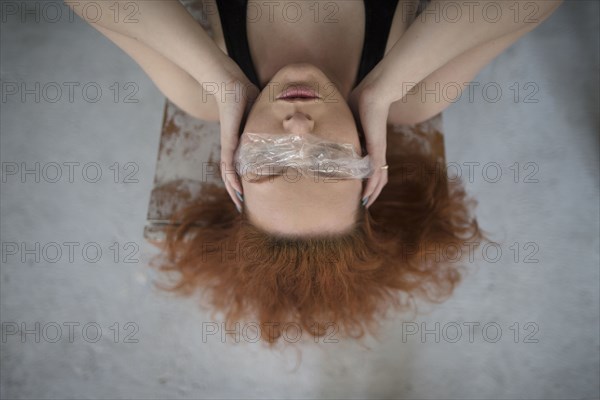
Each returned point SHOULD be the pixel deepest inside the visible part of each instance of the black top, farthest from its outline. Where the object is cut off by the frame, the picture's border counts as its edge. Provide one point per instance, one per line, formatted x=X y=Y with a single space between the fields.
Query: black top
x=378 y=20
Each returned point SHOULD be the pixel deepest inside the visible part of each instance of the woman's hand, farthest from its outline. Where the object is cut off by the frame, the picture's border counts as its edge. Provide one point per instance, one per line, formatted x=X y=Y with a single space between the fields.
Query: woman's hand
x=168 y=29
x=234 y=95
x=372 y=110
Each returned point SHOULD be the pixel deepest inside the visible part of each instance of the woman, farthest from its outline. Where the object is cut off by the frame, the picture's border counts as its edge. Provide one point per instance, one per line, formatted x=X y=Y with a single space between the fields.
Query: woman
x=320 y=253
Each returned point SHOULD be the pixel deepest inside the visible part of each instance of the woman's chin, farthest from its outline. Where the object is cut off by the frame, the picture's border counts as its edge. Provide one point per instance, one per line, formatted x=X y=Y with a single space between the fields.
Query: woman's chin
x=301 y=73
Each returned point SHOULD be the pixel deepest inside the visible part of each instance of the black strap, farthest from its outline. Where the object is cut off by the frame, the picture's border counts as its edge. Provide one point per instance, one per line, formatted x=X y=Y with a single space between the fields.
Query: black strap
x=378 y=20
x=233 y=22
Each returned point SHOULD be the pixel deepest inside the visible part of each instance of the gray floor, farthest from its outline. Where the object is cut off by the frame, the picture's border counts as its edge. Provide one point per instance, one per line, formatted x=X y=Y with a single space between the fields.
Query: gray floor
x=547 y=310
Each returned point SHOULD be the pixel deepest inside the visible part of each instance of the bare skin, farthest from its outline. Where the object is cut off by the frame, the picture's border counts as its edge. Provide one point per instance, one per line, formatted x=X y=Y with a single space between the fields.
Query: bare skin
x=180 y=59
x=293 y=204
x=320 y=35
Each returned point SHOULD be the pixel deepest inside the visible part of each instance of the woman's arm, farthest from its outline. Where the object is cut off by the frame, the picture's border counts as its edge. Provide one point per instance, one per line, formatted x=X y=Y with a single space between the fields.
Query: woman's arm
x=434 y=39
x=176 y=84
x=164 y=26
x=435 y=46
x=429 y=98
x=125 y=24
x=165 y=39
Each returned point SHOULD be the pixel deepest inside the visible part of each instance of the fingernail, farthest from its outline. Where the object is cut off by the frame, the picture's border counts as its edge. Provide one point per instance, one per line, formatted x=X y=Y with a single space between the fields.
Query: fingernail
x=239 y=195
x=238 y=208
x=365 y=201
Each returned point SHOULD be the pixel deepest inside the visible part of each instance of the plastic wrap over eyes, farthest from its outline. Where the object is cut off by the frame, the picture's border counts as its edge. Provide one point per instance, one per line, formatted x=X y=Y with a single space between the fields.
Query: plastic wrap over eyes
x=261 y=154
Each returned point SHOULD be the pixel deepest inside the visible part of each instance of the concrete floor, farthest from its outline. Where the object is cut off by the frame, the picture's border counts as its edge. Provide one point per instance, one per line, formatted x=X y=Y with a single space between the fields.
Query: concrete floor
x=151 y=346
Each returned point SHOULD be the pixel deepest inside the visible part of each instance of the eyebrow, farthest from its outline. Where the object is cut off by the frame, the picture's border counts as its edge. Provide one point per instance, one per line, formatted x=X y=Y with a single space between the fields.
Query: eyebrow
x=263 y=178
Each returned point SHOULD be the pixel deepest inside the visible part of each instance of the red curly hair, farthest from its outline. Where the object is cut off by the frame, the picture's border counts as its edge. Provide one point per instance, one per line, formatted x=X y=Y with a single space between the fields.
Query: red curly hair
x=397 y=249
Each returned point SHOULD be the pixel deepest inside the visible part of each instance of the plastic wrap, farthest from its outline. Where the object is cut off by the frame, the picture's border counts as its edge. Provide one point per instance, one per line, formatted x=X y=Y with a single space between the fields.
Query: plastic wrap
x=263 y=154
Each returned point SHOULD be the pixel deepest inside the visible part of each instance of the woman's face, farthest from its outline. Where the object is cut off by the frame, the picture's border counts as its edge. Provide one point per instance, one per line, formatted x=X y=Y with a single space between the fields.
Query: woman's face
x=297 y=205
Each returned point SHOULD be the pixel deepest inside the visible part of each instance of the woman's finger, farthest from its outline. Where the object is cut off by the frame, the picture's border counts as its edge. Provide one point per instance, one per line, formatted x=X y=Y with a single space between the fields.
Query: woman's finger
x=380 y=185
x=229 y=173
x=374 y=186
x=232 y=115
x=231 y=191
x=371 y=185
x=229 y=143
x=374 y=123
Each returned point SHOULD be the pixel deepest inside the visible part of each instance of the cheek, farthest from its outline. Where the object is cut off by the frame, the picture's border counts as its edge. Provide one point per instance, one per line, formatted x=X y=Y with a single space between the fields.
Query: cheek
x=340 y=130
x=341 y=136
x=260 y=122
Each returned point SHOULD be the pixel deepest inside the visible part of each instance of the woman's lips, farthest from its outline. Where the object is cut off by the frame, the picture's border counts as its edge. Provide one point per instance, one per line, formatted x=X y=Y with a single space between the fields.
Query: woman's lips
x=298 y=93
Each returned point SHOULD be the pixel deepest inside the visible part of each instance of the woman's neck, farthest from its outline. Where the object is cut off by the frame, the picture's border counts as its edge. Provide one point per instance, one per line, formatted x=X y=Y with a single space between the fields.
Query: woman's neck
x=335 y=48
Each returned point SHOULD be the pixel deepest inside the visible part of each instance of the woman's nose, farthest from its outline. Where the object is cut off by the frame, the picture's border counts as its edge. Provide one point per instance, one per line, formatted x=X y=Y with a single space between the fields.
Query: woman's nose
x=298 y=123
